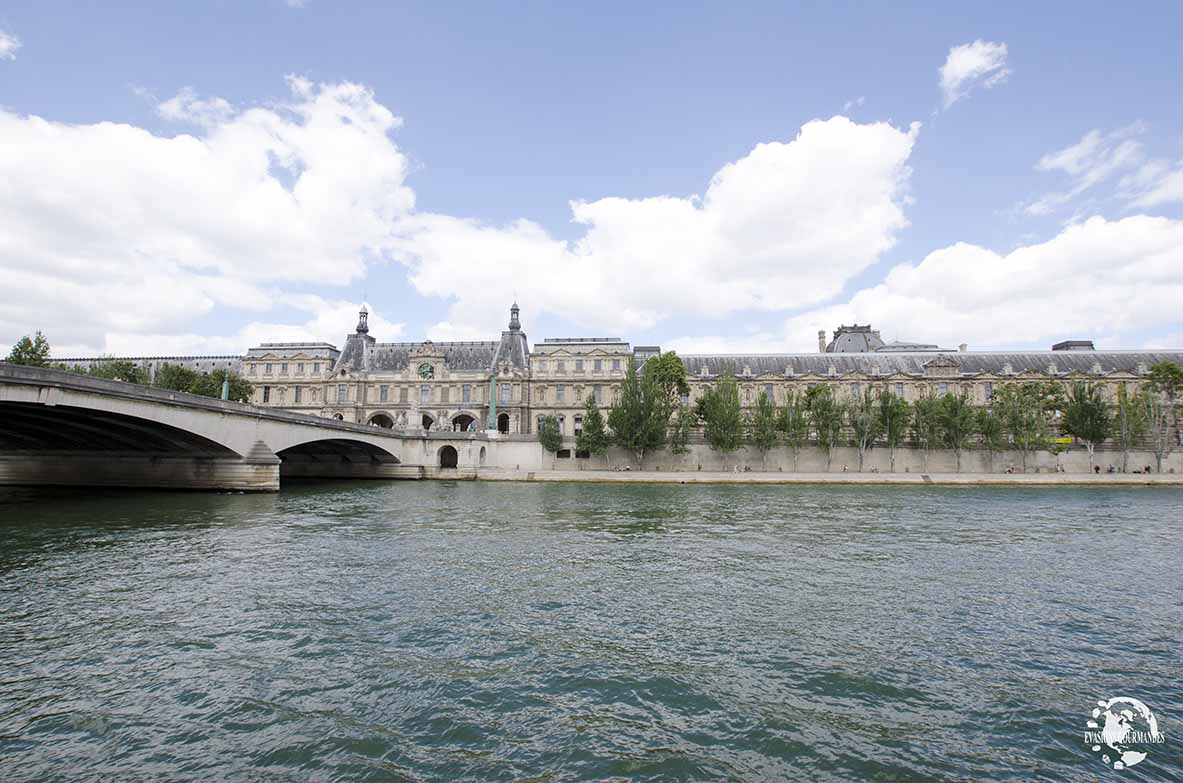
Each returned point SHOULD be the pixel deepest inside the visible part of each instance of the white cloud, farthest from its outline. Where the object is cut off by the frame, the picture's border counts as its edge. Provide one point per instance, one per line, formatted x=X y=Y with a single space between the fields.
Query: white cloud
x=185 y=106
x=9 y=44
x=854 y=103
x=783 y=227
x=107 y=229
x=981 y=63
x=1097 y=278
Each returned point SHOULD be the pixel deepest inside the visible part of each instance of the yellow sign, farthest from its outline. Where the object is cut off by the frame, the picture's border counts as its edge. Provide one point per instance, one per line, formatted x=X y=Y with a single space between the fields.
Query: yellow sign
x=1066 y=441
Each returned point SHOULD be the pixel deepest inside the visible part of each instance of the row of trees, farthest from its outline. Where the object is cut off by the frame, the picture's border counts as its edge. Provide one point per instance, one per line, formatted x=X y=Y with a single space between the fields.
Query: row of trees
x=34 y=352
x=1025 y=417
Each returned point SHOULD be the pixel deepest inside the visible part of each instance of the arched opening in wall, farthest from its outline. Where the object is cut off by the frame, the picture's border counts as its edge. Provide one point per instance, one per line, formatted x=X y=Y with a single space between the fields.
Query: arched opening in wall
x=463 y=422
x=338 y=417
x=449 y=458
x=428 y=422
x=482 y=456
x=503 y=423
x=382 y=420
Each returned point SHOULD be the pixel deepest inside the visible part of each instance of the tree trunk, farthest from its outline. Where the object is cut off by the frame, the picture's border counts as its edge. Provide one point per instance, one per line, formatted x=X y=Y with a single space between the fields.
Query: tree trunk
x=796 y=452
x=860 y=459
x=892 y=459
x=1023 y=459
x=926 y=459
x=829 y=457
x=957 y=453
x=1090 y=447
x=990 y=460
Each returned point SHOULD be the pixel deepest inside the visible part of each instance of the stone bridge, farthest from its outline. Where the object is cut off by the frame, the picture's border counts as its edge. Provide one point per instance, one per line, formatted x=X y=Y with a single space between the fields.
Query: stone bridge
x=64 y=428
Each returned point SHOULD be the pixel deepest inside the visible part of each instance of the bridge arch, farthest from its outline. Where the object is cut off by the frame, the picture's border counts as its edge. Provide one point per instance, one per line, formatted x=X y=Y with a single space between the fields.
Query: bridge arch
x=448 y=457
x=383 y=420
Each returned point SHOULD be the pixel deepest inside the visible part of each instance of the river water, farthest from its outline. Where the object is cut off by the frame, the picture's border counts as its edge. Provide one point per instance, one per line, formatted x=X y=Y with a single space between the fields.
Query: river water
x=428 y=631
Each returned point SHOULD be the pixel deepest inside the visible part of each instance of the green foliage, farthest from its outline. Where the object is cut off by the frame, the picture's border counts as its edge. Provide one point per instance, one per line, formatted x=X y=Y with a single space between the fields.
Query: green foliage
x=1163 y=390
x=210 y=385
x=893 y=414
x=1130 y=421
x=639 y=418
x=825 y=414
x=670 y=375
x=958 y=423
x=992 y=432
x=1023 y=409
x=1165 y=378
x=119 y=370
x=721 y=415
x=682 y=422
x=763 y=432
x=549 y=435
x=1087 y=416
x=176 y=378
x=926 y=425
x=793 y=422
x=593 y=438
x=863 y=416
x=30 y=351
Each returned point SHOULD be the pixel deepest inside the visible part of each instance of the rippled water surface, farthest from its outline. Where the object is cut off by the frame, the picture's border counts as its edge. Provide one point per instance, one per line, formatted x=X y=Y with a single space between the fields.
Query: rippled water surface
x=475 y=631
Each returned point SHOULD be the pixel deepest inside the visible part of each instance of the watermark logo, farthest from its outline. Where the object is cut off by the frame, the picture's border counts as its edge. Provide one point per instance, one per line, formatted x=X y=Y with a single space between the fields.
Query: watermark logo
x=1122 y=731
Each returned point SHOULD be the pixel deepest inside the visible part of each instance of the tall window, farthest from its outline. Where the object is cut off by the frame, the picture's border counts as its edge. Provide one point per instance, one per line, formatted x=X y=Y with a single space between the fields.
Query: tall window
x=768 y=392
x=597 y=393
x=598 y=365
x=578 y=425
x=402 y=394
x=299 y=368
x=424 y=394
x=267 y=368
x=560 y=393
x=899 y=390
x=341 y=395
x=283 y=368
x=579 y=365
x=253 y=369
x=505 y=393
x=615 y=364
x=942 y=389
x=542 y=365
x=988 y=390
x=446 y=394
x=383 y=393
x=560 y=365
x=466 y=393
x=299 y=396
x=855 y=390
x=316 y=366
x=266 y=394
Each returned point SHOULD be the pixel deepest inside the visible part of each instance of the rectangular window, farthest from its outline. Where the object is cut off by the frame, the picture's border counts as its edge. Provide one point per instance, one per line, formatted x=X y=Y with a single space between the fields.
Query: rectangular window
x=505 y=393
x=597 y=393
x=988 y=390
x=768 y=392
x=283 y=368
x=403 y=394
x=942 y=388
x=856 y=390
x=560 y=393
x=340 y=392
x=560 y=366
x=542 y=365
x=299 y=368
x=298 y=394
x=254 y=368
x=267 y=368
x=578 y=425
x=899 y=390
x=598 y=365
x=579 y=365
x=466 y=393
x=615 y=364
x=383 y=393
x=316 y=366
x=424 y=394
x=446 y=394
x=266 y=394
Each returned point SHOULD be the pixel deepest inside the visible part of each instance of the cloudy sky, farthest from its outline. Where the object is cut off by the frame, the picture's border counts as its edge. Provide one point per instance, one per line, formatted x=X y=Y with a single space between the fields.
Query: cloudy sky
x=199 y=177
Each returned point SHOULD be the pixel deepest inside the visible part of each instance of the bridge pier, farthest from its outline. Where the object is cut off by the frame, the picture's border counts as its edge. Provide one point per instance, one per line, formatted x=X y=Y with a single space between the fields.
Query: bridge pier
x=164 y=471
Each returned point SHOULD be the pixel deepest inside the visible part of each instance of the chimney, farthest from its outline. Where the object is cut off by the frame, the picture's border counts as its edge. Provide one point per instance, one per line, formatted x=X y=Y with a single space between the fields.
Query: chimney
x=963 y=347
x=821 y=340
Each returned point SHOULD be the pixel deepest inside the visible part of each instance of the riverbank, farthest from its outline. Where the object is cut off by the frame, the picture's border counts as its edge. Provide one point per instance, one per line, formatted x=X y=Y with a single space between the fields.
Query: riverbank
x=722 y=477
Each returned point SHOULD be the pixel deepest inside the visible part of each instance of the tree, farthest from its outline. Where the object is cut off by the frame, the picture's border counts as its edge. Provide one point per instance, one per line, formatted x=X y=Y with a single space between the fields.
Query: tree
x=119 y=370
x=992 y=432
x=670 y=375
x=863 y=416
x=210 y=385
x=893 y=414
x=825 y=414
x=1162 y=390
x=30 y=352
x=722 y=416
x=1024 y=409
x=682 y=424
x=549 y=435
x=1130 y=422
x=593 y=438
x=1087 y=416
x=175 y=377
x=793 y=423
x=926 y=425
x=639 y=418
x=957 y=420
x=763 y=432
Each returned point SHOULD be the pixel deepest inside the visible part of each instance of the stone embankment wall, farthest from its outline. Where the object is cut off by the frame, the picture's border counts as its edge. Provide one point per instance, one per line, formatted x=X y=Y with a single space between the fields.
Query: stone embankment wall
x=529 y=455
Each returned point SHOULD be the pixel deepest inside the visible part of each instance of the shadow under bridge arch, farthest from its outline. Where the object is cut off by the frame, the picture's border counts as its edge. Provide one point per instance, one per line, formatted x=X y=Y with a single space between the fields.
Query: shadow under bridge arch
x=338 y=458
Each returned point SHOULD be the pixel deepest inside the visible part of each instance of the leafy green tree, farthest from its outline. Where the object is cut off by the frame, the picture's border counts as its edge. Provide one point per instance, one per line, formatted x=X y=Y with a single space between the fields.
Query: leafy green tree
x=549 y=435
x=30 y=351
x=1087 y=416
x=1130 y=422
x=894 y=414
x=681 y=424
x=992 y=432
x=594 y=437
x=1024 y=410
x=722 y=416
x=825 y=414
x=175 y=377
x=210 y=385
x=763 y=432
x=958 y=423
x=793 y=422
x=863 y=416
x=670 y=375
x=1163 y=389
x=926 y=425
x=639 y=418
x=119 y=370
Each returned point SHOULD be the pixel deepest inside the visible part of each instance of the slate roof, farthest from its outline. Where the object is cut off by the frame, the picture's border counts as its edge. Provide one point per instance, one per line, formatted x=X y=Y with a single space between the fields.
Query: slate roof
x=970 y=362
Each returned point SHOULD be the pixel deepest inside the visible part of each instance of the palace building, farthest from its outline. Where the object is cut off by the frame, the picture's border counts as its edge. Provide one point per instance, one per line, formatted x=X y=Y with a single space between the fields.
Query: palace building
x=506 y=385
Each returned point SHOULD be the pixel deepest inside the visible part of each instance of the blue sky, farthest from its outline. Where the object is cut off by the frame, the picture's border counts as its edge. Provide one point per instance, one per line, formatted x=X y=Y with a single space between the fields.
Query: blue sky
x=996 y=219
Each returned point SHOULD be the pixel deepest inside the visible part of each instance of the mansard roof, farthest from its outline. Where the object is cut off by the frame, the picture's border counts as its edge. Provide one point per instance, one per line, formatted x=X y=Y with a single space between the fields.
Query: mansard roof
x=913 y=363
